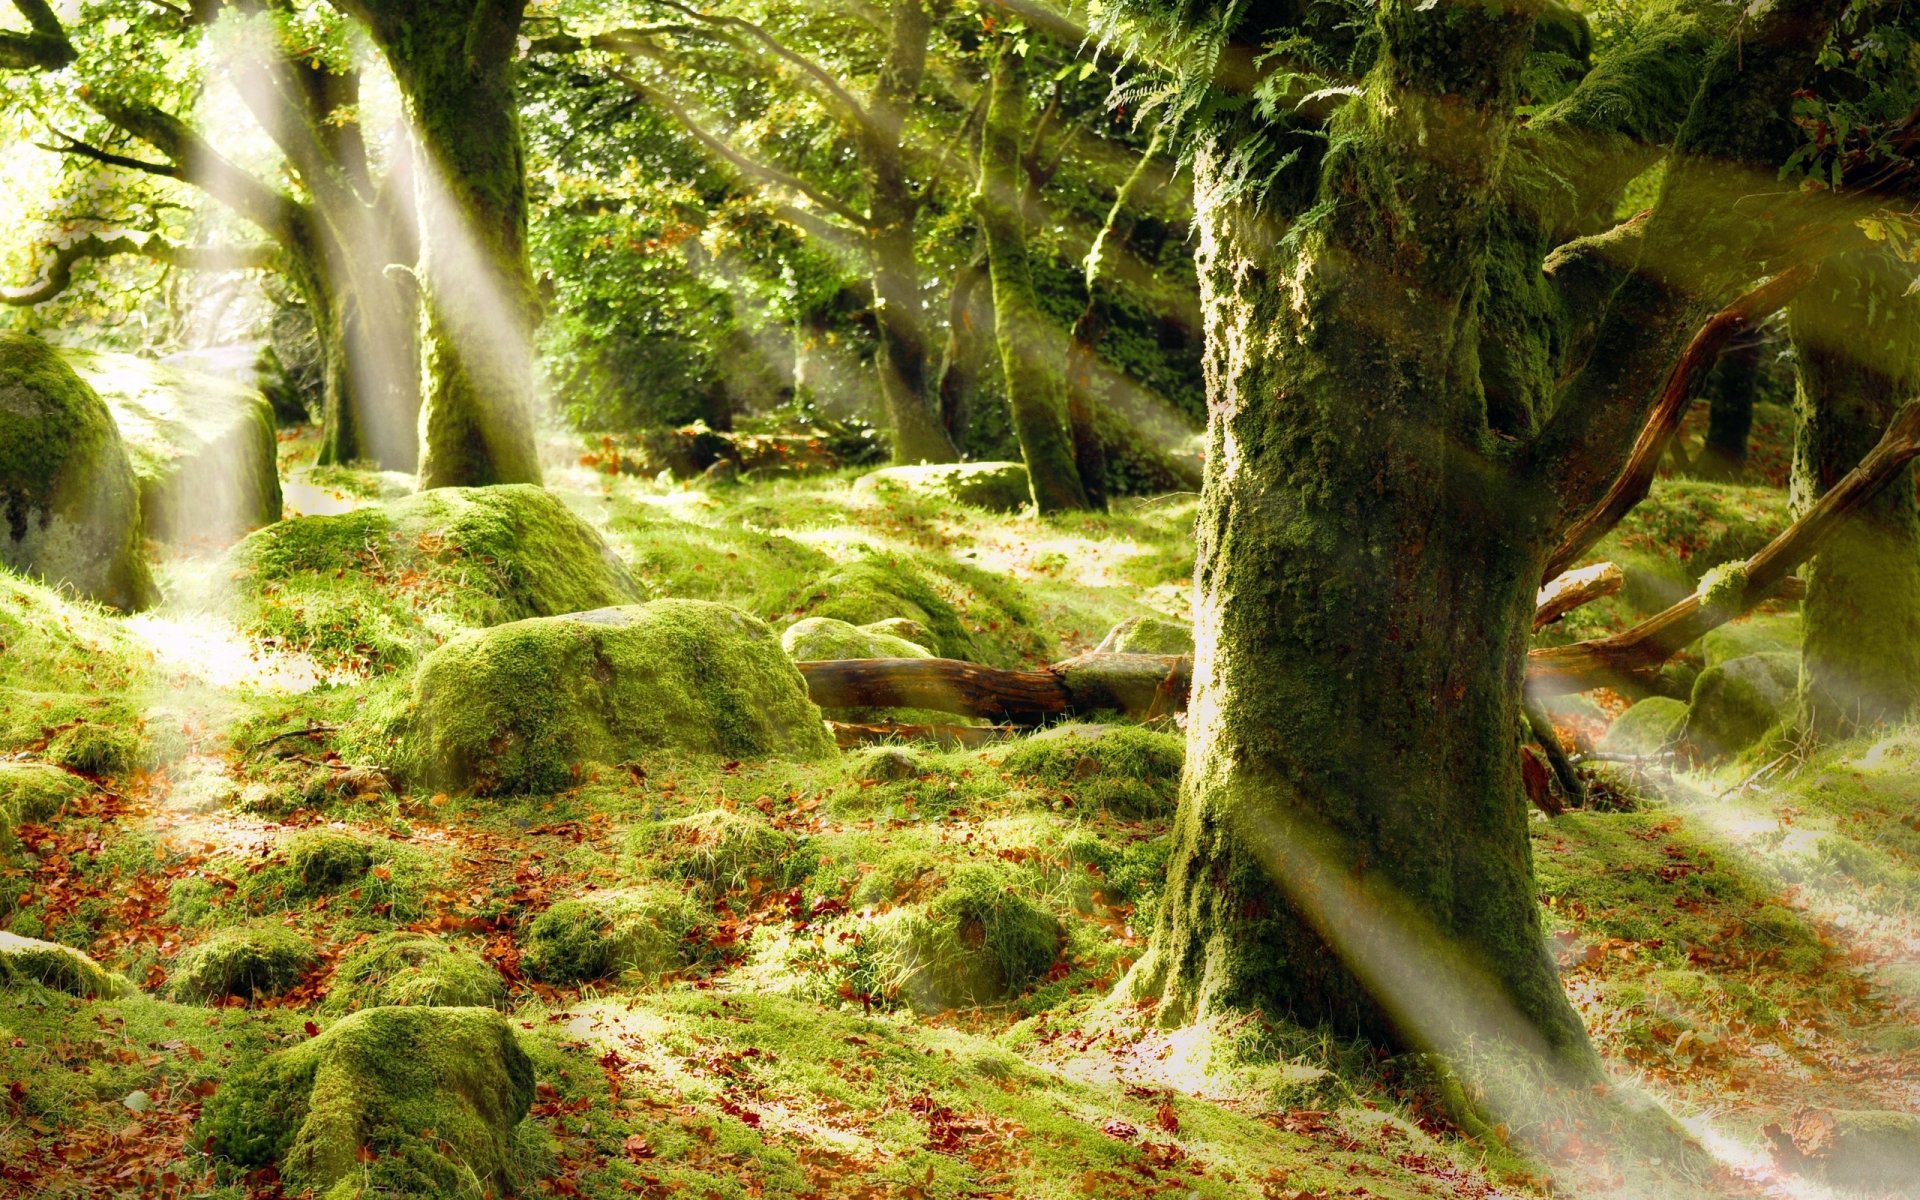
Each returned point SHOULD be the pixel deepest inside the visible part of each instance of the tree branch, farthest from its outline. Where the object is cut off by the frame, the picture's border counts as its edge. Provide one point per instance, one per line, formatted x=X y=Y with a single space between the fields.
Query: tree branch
x=92 y=247
x=80 y=149
x=43 y=48
x=823 y=78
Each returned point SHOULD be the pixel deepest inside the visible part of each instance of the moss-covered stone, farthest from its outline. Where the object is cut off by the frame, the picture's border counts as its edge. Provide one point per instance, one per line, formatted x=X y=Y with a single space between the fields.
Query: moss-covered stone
x=1735 y=703
x=25 y=960
x=69 y=510
x=604 y=934
x=1124 y=769
x=720 y=848
x=249 y=961
x=904 y=628
x=1147 y=635
x=994 y=486
x=1758 y=634
x=324 y=860
x=822 y=638
x=402 y=968
x=967 y=613
x=72 y=681
x=976 y=941
x=34 y=792
x=399 y=1101
x=521 y=707
x=1649 y=727
x=378 y=587
x=202 y=448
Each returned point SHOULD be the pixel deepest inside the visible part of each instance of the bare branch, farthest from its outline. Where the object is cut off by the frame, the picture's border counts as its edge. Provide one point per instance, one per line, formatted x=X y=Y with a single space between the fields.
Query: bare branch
x=827 y=82
x=93 y=247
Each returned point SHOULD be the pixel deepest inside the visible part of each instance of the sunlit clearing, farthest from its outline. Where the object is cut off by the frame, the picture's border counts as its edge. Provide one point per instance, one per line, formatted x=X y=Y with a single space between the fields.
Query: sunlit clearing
x=205 y=648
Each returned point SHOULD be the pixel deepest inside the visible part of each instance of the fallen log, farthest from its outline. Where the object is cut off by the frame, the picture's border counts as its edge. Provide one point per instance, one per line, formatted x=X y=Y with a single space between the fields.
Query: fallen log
x=1140 y=685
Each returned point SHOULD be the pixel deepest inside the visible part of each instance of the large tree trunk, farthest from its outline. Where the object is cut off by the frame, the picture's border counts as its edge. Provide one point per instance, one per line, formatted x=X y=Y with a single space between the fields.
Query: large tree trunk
x=1723 y=455
x=1034 y=371
x=1857 y=342
x=454 y=65
x=371 y=368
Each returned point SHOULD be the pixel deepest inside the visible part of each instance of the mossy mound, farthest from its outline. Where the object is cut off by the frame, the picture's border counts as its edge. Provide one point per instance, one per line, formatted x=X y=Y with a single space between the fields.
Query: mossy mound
x=1123 y=769
x=603 y=934
x=25 y=960
x=720 y=848
x=375 y=588
x=403 y=968
x=977 y=941
x=71 y=680
x=1735 y=703
x=521 y=708
x=1147 y=635
x=824 y=638
x=1778 y=633
x=203 y=449
x=1649 y=727
x=249 y=961
x=34 y=792
x=904 y=628
x=995 y=486
x=323 y=860
x=401 y=1101
x=69 y=509
x=967 y=613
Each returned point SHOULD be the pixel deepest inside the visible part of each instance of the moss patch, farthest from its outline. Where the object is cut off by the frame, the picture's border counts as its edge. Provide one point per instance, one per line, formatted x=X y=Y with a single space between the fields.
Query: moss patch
x=995 y=486
x=402 y=968
x=1147 y=635
x=602 y=934
x=31 y=961
x=248 y=961
x=1123 y=769
x=718 y=848
x=1649 y=727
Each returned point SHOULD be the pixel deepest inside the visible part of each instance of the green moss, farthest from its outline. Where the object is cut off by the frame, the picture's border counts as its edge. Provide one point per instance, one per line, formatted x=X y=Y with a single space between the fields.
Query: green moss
x=72 y=681
x=994 y=486
x=1148 y=635
x=251 y=960
x=1757 y=634
x=400 y=1101
x=26 y=960
x=1649 y=727
x=1735 y=703
x=976 y=941
x=323 y=861
x=1123 y=769
x=34 y=792
x=603 y=934
x=719 y=848
x=998 y=628
x=823 y=638
x=375 y=588
x=522 y=708
x=401 y=968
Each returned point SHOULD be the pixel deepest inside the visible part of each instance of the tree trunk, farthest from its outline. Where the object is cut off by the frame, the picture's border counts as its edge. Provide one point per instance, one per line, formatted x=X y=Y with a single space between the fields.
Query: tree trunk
x=371 y=363
x=1730 y=410
x=1034 y=371
x=962 y=366
x=454 y=66
x=1857 y=342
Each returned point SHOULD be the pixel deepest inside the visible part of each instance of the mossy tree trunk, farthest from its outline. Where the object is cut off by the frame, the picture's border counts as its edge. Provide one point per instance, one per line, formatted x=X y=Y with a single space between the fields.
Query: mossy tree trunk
x=1030 y=362
x=454 y=64
x=1723 y=454
x=1856 y=339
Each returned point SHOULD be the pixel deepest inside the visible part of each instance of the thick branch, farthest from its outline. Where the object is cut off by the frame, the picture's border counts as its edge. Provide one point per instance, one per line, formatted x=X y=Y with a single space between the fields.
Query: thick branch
x=1683 y=383
x=59 y=274
x=1634 y=654
x=1574 y=590
x=44 y=47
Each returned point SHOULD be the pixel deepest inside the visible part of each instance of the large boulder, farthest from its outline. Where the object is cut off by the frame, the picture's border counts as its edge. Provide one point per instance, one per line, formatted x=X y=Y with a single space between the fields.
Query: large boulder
x=69 y=507
x=1736 y=702
x=203 y=449
x=375 y=588
x=400 y=1101
x=522 y=707
x=994 y=486
x=1650 y=727
x=1147 y=635
x=25 y=960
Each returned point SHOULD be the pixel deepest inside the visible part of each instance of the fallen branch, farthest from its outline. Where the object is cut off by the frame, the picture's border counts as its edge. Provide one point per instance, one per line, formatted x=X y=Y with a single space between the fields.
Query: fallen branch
x=1675 y=395
x=1574 y=589
x=1139 y=685
x=1633 y=655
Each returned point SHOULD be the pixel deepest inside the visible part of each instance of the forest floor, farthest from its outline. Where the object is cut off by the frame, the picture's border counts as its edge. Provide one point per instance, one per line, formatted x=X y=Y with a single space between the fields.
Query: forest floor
x=1743 y=940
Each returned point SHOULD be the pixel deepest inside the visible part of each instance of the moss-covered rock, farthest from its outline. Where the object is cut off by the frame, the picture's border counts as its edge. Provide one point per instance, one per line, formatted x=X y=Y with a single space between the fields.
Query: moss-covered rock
x=402 y=1101
x=966 y=613
x=720 y=848
x=69 y=510
x=402 y=967
x=1649 y=727
x=250 y=961
x=323 y=860
x=976 y=941
x=904 y=628
x=378 y=587
x=1124 y=769
x=25 y=960
x=1735 y=703
x=34 y=792
x=823 y=638
x=203 y=449
x=1147 y=635
x=521 y=707
x=604 y=934
x=72 y=681
x=994 y=486
x=1778 y=633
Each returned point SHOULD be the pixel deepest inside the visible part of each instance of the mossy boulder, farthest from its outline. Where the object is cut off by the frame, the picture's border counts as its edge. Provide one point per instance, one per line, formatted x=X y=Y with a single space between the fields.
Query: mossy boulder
x=398 y=1101
x=520 y=708
x=719 y=848
x=1736 y=702
x=249 y=961
x=1147 y=635
x=69 y=508
x=34 y=792
x=1778 y=633
x=376 y=588
x=1123 y=769
x=995 y=486
x=25 y=960
x=604 y=934
x=976 y=941
x=965 y=612
x=402 y=967
x=822 y=638
x=904 y=628
x=73 y=680
x=323 y=860
x=203 y=449
x=1649 y=727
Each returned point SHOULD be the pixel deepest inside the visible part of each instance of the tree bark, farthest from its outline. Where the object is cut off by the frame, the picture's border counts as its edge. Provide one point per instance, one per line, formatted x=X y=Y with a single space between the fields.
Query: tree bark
x=1033 y=370
x=1856 y=339
x=1723 y=453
